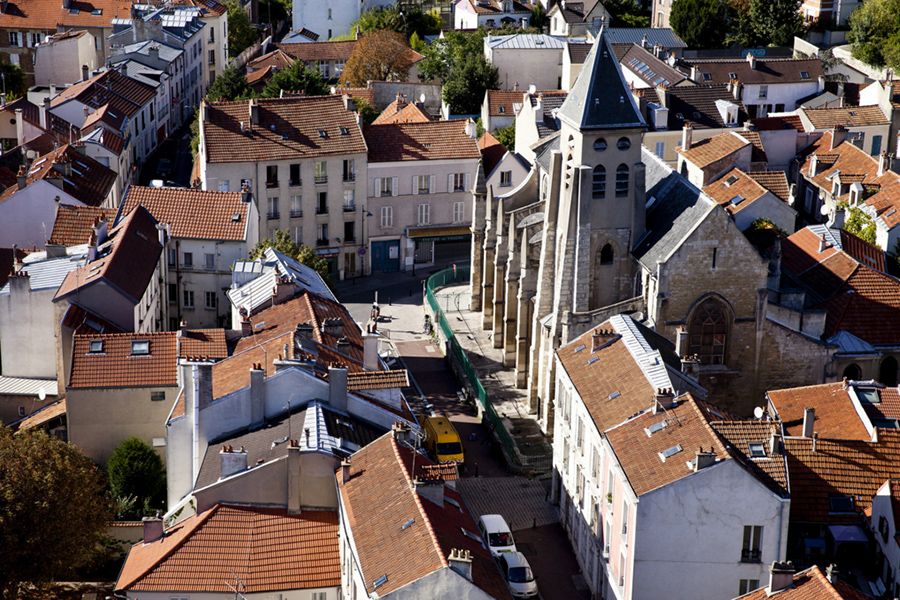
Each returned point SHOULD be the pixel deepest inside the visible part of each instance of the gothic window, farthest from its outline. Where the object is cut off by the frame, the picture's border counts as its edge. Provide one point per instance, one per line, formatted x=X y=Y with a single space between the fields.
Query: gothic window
x=853 y=372
x=622 y=181
x=606 y=255
x=708 y=332
x=599 y=182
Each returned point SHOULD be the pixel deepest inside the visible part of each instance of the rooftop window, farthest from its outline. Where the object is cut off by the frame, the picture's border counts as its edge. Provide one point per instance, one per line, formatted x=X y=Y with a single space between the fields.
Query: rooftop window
x=736 y=200
x=757 y=450
x=140 y=347
x=804 y=74
x=658 y=426
x=730 y=181
x=868 y=395
x=670 y=452
x=840 y=503
x=96 y=346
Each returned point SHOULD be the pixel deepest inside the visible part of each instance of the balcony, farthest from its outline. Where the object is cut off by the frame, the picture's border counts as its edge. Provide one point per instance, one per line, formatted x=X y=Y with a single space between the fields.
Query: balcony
x=272 y=184
x=321 y=242
x=750 y=556
x=349 y=176
x=296 y=214
x=295 y=182
x=321 y=178
x=350 y=207
x=273 y=215
x=321 y=210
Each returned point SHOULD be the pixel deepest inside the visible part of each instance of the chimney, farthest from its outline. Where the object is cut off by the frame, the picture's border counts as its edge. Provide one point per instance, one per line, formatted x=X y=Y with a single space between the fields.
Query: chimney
x=254 y=113
x=283 y=290
x=333 y=327
x=52 y=91
x=22 y=177
x=85 y=73
x=246 y=325
x=681 y=341
x=430 y=489
x=781 y=576
x=257 y=395
x=695 y=73
x=471 y=130
x=838 y=135
x=154 y=52
x=153 y=529
x=687 y=135
x=123 y=69
x=832 y=573
x=815 y=440
x=737 y=89
x=304 y=331
x=704 y=459
x=42 y=113
x=20 y=128
x=400 y=431
x=20 y=281
x=231 y=461
x=663 y=399
x=644 y=41
x=809 y=419
x=370 y=351
x=823 y=244
x=345 y=470
x=461 y=562
x=884 y=164
x=662 y=92
x=294 y=479
x=751 y=60
x=337 y=388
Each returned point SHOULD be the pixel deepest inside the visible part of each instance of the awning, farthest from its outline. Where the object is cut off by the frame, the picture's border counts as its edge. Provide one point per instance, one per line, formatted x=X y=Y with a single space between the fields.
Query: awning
x=46 y=414
x=848 y=534
x=439 y=232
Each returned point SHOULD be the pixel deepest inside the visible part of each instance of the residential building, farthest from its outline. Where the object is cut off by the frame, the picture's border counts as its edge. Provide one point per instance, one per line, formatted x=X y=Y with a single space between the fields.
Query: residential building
x=59 y=57
x=123 y=385
x=828 y=14
x=643 y=69
x=884 y=525
x=402 y=110
x=472 y=14
x=267 y=552
x=500 y=108
x=503 y=170
x=420 y=189
x=791 y=584
x=886 y=95
x=21 y=123
x=208 y=233
x=526 y=59
x=749 y=197
x=215 y=15
x=537 y=121
x=110 y=150
x=389 y=494
x=630 y=439
x=74 y=225
x=577 y=18
x=261 y=69
x=328 y=58
x=123 y=279
x=664 y=42
x=64 y=176
x=24 y=25
x=707 y=160
x=304 y=161
x=867 y=126
x=22 y=399
x=158 y=66
x=659 y=14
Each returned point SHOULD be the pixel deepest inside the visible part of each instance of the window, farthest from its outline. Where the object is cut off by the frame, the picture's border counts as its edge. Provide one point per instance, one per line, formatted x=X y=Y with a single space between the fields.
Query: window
x=852 y=372
x=188 y=259
x=750 y=550
x=624 y=518
x=621 y=181
x=212 y=57
x=188 y=297
x=385 y=186
x=296 y=206
x=422 y=184
x=623 y=143
x=173 y=293
x=715 y=254
x=763 y=91
x=96 y=346
x=140 y=347
x=840 y=504
x=747 y=585
x=14 y=38
x=157 y=396
x=757 y=450
x=458 y=181
x=322 y=203
x=883 y=528
x=212 y=35
x=459 y=209
x=321 y=172
x=708 y=332
x=349 y=200
x=876 y=145
x=294 y=174
x=173 y=255
x=598 y=185
x=600 y=144
x=272 y=212
x=329 y=14
x=211 y=300
x=320 y=595
x=323 y=235
x=606 y=255
x=210 y=261
x=223 y=186
x=349 y=231
x=34 y=39
x=424 y=214
x=349 y=169
x=660 y=149
x=505 y=178
x=387 y=217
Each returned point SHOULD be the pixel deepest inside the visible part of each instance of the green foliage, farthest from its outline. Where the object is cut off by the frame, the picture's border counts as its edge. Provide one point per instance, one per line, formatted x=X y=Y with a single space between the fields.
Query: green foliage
x=701 y=23
x=14 y=80
x=241 y=33
x=137 y=478
x=282 y=242
x=773 y=22
x=875 y=33
x=366 y=111
x=507 y=136
x=416 y=42
x=479 y=128
x=53 y=510
x=295 y=78
x=195 y=134
x=378 y=56
x=762 y=223
x=627 y=13
x=230 y=85
x=458 y=60
x=538 y=18
x=860 y=224
x=406 y=21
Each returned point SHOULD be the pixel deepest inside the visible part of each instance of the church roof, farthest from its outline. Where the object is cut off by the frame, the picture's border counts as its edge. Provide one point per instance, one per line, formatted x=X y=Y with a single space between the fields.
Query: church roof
x=675 y=208
x=600 y=98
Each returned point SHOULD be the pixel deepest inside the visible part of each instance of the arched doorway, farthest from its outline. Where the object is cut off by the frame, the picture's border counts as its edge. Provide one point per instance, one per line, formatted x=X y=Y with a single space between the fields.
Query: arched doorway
x=887 y=374
x=853 y=372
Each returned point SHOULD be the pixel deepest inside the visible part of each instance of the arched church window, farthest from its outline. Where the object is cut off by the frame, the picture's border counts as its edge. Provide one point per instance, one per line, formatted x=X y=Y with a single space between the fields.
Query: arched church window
x=622 y=181
x=852 y=372
x=606 y=255
x=599 y=182
x=623 y=144
x=600 y=144
x=708 y=332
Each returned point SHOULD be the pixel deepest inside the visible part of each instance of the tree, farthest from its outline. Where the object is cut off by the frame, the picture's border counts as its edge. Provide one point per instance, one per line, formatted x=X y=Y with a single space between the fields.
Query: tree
x=241 y=33
x=378 y=56
x=365 y=110
x=774 y=22
x=458 y=60
x=538 y=18
x=407 y=21
x=860 y=224
x=295 y=78
x=230 y=85
x=507 y=136
x=283 y=242
x=53 y=510
x=701 y=23
x=875 y=32
x=627 y=13
x=14 y=80
x=137 y=478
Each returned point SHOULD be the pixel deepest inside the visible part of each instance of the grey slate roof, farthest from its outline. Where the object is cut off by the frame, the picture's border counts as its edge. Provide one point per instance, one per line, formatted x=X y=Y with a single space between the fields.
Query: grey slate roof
x=48 y=274
x=677 y=209
x=656 y=36
x=600 y=98
x=543 y=149
x=526 y=41
x=252 y=291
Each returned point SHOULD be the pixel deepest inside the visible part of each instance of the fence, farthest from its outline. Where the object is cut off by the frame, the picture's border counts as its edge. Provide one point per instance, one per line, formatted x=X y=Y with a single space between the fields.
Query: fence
x=464 y=368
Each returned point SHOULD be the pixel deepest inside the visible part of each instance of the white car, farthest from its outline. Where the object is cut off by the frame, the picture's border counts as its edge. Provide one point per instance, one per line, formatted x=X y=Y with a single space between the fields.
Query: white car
x=496 y=534
x=518 y=575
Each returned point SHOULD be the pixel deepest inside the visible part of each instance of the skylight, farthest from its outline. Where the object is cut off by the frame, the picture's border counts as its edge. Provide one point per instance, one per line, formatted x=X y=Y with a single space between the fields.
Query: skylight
x=868 y=396
x=670 y=452
x=614 y=395
x=408 y=524
x=840 y=503
x=380 y=581
x=344 y=131
x=730 y=181
x=736 y=200
x=757 y=450
x=707 y=77
x=472 y=536
x=140 y=347
x=96 y=346
x=323 y=134
x=579 y=347
x=593 y=359
x=804 y=74
x=658 y=426
x=732 y=75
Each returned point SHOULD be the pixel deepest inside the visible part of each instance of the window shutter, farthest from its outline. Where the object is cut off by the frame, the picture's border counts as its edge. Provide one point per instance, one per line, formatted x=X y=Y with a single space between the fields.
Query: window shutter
x=394 y=186
x=414 y=188
x=466 y=182
x=431 y=184
x=377 y=191
x=450 y=182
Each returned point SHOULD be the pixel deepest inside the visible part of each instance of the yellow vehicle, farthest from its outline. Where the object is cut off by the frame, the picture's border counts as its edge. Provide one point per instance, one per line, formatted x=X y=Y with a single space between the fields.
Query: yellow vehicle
x=442 y=441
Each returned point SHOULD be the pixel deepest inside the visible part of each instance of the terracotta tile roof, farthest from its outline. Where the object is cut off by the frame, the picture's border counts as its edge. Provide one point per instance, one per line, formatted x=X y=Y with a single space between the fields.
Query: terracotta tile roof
x=774 y=181
x=697 y=104
x=778 y=123
x=849 y=116
x=492 y=152
x=377 y=380
x=298 y=124
x=266 y=548
x=233 y=373
x=504 y=103
x=126 y=261
x=317 y=51
x=103 y=136
x=705 y=152
x=847 y=467
x=759 y=152
x=435 y=140
x=45 y=414
x=124 y=95
x=766 y=71
x=401 y=111
x=366 y=94
x=735 y=191
x=194 y=214
x=495 y=7
x=74 y=224
x=810 y=584
x=835 y=416
x=640 y=455
x=48 y=15
x=211 y=7
x=771 y=468
x=379 y=499
x=259 y=76
x=276 y=58
x=78 y=175
x=202 y=343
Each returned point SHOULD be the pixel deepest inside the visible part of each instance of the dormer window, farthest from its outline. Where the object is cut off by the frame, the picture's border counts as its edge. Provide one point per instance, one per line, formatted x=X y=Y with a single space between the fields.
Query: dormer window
x=757 y=450
x=96 y=346
x=501 y=109
x=140 y=347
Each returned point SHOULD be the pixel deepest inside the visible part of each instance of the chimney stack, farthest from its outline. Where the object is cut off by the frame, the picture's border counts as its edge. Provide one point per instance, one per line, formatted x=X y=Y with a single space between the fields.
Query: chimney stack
x=153 y=529
x=884 y=163
x=345 y=470
x=370 y=351
x=305 y=331
x=231 y=461
x=461 y=562
x=22 y=177
x=333 y=327
x=254 y=113
x=832 y=573
x=337 y=388
x=42 y=113
x=85 y=73
x=246 y=325
x=664 y=399
x=823 y=244
x=258 y=395
x=809 y=418
x=838 y=135
x=20 y=128
x=737 y=89
x=687 y=135
x=704 y=459
x=752 y=60
x=781 y=576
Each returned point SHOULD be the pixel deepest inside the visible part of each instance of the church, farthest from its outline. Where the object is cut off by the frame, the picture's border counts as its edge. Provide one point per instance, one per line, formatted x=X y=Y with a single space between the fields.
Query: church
x=602 y=227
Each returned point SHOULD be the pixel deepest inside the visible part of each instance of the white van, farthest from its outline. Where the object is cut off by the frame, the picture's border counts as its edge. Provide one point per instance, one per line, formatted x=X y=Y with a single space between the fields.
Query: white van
x=496 y=534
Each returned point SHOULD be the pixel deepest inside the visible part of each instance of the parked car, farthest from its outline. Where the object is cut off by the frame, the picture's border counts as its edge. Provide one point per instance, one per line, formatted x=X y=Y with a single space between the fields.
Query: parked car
x=496 y=534
x=518 y=575
x=442 y=441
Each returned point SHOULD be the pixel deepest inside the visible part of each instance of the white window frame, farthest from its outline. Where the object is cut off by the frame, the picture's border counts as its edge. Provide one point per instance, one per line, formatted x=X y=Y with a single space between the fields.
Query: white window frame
x=387 y=217
x=423 y=214
x=506 y=178
x=459 y=212
x=187 y=298
x=209 y=261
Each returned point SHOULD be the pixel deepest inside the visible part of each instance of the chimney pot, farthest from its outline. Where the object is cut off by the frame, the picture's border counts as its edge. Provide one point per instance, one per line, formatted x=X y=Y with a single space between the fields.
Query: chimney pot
x=461 y=562
x=704 y=459
x=232 y=461
x=831 y=572
x=823 y=244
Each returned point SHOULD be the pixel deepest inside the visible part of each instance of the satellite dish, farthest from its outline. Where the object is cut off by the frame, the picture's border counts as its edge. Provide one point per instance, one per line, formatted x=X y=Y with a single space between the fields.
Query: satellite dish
x=42 y=394
x=758 y=412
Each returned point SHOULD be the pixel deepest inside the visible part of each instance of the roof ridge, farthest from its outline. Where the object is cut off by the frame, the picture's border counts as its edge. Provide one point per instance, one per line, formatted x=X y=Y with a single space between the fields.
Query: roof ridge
x=411 y=486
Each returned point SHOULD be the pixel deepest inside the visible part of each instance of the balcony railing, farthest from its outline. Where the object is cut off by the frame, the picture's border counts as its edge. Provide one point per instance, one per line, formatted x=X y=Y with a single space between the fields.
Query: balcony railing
x=321 y=210
x=272 y=184
x=296 y=214
x=295 y=182
x=350 y=207
x=349 y=176
x=321 y=178
x=321 y=242
x=273 y=215
x=750 y=556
